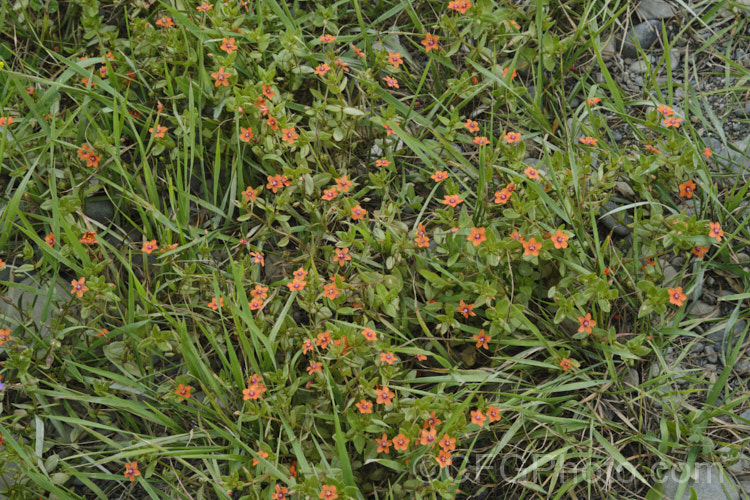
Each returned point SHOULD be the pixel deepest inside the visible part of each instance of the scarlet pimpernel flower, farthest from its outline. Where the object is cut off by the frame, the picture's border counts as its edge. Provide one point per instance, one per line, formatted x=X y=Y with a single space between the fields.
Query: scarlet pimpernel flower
x=477 y=417
x=358 y=213
x=246 y=134
x=476 y=236
x=482 y=339
x=391 y=82
x=430 y=42
x=79 y=287
x=687 y=189
x=560 y=239
x=440 y=175
x=512 y=137
x=451 y=199
x=465 y=309
x=164 y=22
x=384 y=444
x=586 y=324
x=341 y=255
x=395 y=59
x=183 y=392
x=228 y=45
x=158 y=130
x=481 y=140
x=131 y=471
x=370 y=334
x=385 y=396
x=472 y=126
x=715 y=231
x=289 y=135
x=221 y=78
x=327 y=38
x=149 y=246
x=676 y=296
x=364 y=406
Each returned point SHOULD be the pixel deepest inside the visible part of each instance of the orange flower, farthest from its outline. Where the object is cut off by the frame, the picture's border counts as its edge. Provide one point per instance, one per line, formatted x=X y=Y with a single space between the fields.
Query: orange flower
x=586 y=324
x=289 y=135
x=221 y=78
x=258 y=258
x=432 y=421
x=279 y=493
x=512 y=137
x=215 y=303
x=50 y=239
x=531 y=173
x=341 y=255
x=307 y=346
x=275 y=182
x=385 y=395
x=388 y=129
x=324 y=338
x=327 y=38
x=322 y=69
x=343 y=184
x=329 y=194
x=131 y=469
x=341 y=64
x=590 y=141
x=164 y=22
x=676 y=296
x=401 y=442
x=472 y=126
x=149 y=246
x=700 y=251
x=358 y=52
x=493 y=414
x=384 y=444
x=451 y=199
x=228 y=45
x=358 y=213
x=671 y=121
x=477 y=417
x=517 y=236
x=364 y=406
x=296 y=285
x=481 y=140
x=665 y=110
x=421 y=357
x=503 y=196
x=246 y=134
x=328 y=493
x=262 y=454
x=593 y=100
x=512 y=76
x=253 y=391
x=382 y=162
x=79 y=287
x=715 y=231
x=370 y=334
x=204 y=7
x=430 y=42
x=299 y=274
x=653 y=149
x=465 y=309
x=476 y=236
x=391 y=82
x=330 y=291
x=395 y=59
x=708 y=153
x=566 y=364
x=460 y=5
x=427 y=437
x=686 y=189
x=388 y=357
x=183 y=392
x=560 y=239
x=314 y=367
x=482 y=339
x=6 y=120
x=255 y=304
x=439 y=175
x=444 y=459
x=4 y=335
x=531 y=247
x=2 y=263
x=447 y=443
x=158 y=131
x=272 y=122
x=268 y=91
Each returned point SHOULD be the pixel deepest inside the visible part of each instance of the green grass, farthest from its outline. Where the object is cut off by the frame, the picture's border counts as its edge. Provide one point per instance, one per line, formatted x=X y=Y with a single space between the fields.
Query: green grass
x=76 y=406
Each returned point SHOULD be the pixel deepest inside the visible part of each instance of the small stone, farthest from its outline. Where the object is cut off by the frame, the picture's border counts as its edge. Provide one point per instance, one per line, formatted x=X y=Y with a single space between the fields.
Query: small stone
x=674 y=59
x=623 y=187
x=702 y=310
x=639 y=67
x=670 y=273
x=655 y=9
x=697 y=347
x=615 y=222
x=643 y=35
x=616 y=136
x=631 y=378
x=745 y=415
x=742 y=368
x=102 y=211
x=719 y=333
x=711 y=355
x=708 y=481
x=710 y=367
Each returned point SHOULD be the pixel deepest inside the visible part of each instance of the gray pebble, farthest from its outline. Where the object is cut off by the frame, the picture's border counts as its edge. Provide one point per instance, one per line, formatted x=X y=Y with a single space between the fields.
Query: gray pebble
x=701 y=309
x=742 y=368
x=708 y=481
x=655 y=9
x=697 y=347
x=711 y=354
x=643 y=35
x=670 y=273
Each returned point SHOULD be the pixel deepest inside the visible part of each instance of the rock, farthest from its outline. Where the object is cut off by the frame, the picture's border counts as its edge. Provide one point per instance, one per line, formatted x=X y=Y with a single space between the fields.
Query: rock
x=670 y=273
x=711 y=367
x=742 y=368
x=631 y=378
x=697 y=347
x=708 y=481
x=721 y=332
x=745 y=415
x=655 y=9
x=643 y=35
x=615 y=222
x=102 y=211
x=674 y=59
x=639 y=67
x=623 y=187
x=734 y=462
x=32 y=303
x=702 y=310
x=711 y=355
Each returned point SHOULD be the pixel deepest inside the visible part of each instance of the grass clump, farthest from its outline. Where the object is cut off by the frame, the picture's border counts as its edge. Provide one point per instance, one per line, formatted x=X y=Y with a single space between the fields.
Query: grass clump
x=341 y=250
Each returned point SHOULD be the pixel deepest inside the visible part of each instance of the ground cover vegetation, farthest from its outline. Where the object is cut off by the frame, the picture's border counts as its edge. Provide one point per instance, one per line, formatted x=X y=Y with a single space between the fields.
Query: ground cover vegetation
x=256 y=249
